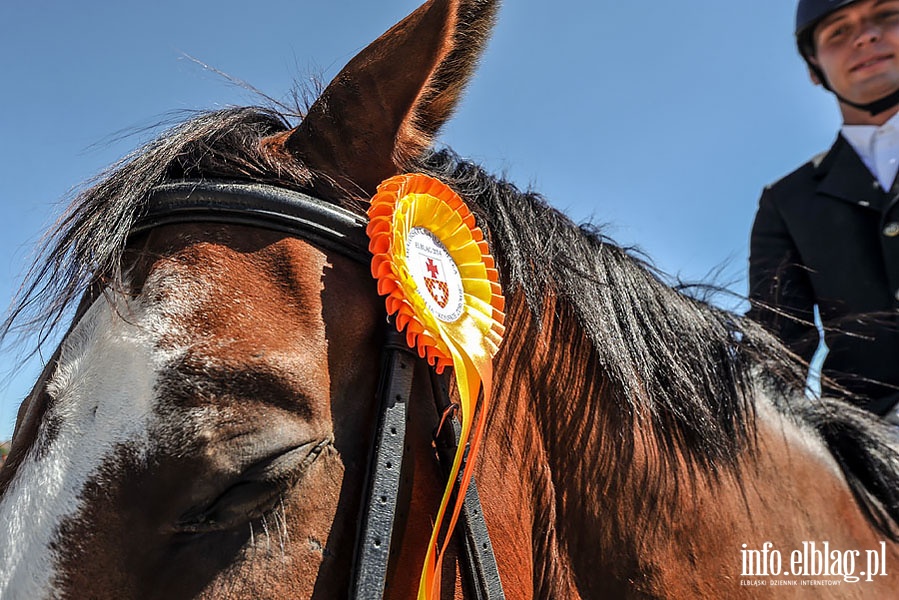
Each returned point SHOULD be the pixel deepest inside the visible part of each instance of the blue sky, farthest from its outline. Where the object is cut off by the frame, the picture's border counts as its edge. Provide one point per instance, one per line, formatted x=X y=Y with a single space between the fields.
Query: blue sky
x=661 y=119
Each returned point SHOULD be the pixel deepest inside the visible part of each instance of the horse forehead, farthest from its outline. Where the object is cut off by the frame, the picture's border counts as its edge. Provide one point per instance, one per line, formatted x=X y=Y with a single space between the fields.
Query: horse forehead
x=240 y=307
x=225 y=277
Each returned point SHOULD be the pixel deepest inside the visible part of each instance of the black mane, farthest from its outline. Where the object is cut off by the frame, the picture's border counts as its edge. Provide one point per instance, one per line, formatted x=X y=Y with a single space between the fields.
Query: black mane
x=685 y=369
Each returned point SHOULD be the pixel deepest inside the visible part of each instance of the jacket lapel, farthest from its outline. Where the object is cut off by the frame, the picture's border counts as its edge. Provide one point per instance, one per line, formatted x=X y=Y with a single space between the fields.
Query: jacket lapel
x=844 y=176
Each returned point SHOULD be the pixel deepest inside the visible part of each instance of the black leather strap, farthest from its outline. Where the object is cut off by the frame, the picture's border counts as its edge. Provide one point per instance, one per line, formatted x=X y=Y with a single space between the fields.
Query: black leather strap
x=379 y=509
x=258 y=205
x=484 y=574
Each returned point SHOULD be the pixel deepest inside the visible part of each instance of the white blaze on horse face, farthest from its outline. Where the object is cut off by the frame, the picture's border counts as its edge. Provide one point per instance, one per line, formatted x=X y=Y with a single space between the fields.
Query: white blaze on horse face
x=103 y=400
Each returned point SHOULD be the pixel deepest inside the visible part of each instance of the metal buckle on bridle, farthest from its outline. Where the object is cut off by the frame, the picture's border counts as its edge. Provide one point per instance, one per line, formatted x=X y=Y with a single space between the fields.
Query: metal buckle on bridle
x=448 y=413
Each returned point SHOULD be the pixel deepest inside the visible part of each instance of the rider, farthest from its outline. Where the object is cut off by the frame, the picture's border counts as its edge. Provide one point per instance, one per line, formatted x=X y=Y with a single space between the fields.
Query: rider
x=827 y=234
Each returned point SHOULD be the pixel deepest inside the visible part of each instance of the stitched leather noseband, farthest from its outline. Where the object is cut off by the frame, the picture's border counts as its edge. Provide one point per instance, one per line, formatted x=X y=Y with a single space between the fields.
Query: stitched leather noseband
x=342 y=231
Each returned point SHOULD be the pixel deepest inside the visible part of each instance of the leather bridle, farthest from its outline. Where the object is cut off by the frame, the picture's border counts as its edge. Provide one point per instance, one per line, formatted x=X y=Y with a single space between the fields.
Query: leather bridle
x=342 y=231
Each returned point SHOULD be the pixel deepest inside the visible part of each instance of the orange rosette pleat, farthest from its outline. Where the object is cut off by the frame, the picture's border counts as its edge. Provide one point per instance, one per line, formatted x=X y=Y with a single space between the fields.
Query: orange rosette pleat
x=466 y=335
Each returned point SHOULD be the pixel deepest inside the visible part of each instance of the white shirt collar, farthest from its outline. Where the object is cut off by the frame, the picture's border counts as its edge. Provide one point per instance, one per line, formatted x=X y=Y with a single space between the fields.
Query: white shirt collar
x=878 y=147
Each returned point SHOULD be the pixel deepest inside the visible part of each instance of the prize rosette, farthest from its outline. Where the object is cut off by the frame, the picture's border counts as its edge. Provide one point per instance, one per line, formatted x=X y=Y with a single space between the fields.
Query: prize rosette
x=434 y=267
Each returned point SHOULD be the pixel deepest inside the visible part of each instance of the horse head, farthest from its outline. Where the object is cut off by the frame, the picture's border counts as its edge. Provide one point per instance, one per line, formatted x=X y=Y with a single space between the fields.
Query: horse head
x=203 y=430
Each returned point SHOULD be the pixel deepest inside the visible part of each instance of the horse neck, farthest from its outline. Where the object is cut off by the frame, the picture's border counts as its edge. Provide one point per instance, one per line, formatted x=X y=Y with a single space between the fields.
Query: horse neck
x=524 y=460
x=602 y=510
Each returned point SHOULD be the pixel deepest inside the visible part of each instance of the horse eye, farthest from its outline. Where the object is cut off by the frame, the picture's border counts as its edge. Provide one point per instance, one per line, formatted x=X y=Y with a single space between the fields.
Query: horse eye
x=239 y=504
x=254 y=494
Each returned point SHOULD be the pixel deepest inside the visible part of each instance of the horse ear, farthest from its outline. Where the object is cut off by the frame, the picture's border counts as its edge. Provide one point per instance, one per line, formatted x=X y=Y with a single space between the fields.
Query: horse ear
x=388 y=102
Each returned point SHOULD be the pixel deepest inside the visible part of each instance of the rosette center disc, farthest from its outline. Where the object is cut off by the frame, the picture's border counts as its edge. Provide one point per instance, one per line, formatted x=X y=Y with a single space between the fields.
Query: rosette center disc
x=435 y=274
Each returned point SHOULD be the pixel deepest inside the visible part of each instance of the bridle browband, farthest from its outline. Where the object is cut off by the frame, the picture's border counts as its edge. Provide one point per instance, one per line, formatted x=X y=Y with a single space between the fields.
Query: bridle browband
x=257 y=205
x=334 y=228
